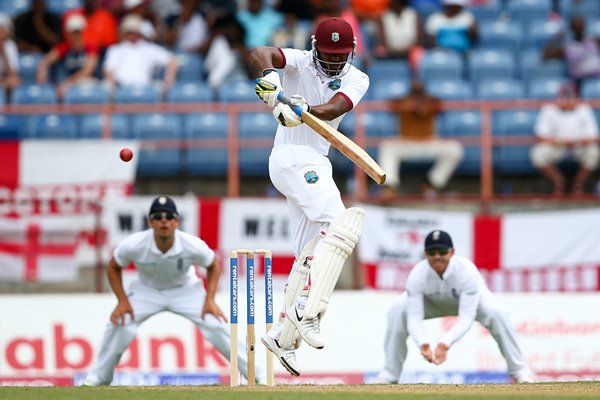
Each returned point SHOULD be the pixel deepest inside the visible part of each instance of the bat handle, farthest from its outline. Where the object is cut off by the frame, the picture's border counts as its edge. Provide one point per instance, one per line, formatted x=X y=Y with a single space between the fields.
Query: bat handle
x=285 y=100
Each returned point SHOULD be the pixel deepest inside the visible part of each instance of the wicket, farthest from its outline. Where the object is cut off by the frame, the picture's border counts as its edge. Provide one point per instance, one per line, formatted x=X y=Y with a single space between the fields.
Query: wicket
x=248 y=255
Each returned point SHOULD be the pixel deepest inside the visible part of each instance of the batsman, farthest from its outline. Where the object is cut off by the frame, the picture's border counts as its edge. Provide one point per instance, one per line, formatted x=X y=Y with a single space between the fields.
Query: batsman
x=324 y=82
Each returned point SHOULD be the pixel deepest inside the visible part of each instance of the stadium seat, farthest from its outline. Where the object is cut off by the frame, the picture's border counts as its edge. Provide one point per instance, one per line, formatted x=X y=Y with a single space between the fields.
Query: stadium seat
x=14 y=7
x=527 y=10
x=568 y=8
x=463 y=123
x=440 y=64
x=2 y=97
x=486 y=12
x=190 y=67
x=239 y=90
x=254 y=159
x=189 y=92
x=206 y=160
x=138 y=94
x=500 y=89
x=532 y=66
x=543 y=88
x=540 y=31
x=388 y=70
x=488 y=63
x=91 y=126
x=28 y=64
x=61 y=6
x=514 y=159
x=11 y=126
x=501 y=34
x=51 y=126
x=389 y=90
x=449 y=89
x=88 y=93
x=34 y=94
x=590 y=88
x=158 y=160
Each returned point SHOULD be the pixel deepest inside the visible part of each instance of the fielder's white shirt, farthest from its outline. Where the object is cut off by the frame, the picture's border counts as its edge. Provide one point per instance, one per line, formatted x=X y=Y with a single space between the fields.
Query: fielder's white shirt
x=555 y=123
x=457 y=292
x=302 y=77
x=134 y=63
x=164 y=270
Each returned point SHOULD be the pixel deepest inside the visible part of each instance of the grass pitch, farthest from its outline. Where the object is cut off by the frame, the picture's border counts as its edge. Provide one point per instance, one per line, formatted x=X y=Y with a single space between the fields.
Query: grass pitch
x=566 y=390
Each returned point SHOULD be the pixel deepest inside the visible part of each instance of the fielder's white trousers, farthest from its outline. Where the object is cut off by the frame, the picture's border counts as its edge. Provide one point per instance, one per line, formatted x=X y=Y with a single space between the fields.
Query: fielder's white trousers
x=588 y=155
x=447 y=154
x=490 y=314
x=186 y=301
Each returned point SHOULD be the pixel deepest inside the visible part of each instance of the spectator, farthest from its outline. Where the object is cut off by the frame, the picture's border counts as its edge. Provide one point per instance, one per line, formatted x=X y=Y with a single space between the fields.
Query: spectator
x=78 y=57
x=298 y=19
x=37 y=30
x=400 y=30
x=581 y=52
x=453 y=28
x=418 y=140
x=150 y=25
x=101 y=25
x=187 y=31
x=9 y=56
x=134 y=60
x=566 y=127
x=369 y=13
x=260 y=23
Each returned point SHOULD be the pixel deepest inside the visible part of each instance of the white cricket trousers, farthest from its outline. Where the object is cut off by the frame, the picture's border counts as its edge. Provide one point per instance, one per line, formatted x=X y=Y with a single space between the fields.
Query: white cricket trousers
x=446 y=153
x=490 y=314
x=588 y=155
x=187 y=301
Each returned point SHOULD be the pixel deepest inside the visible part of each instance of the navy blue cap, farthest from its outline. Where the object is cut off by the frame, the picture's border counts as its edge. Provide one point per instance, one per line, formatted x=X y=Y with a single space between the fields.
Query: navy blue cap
x=438 y=240
x=163 y=203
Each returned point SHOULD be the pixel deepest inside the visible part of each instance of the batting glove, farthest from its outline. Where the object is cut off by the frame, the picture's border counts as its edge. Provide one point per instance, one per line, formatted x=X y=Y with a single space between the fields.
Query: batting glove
x=268 y=87
x=299 y=104
x=286 y=116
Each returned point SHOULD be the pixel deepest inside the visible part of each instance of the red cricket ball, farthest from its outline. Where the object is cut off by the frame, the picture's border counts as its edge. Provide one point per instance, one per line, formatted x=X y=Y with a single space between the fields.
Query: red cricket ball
x=126 y=154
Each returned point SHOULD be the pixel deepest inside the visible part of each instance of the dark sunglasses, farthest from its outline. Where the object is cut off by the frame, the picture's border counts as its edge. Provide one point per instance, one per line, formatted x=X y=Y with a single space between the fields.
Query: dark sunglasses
x=158 y=216
x=433 y=252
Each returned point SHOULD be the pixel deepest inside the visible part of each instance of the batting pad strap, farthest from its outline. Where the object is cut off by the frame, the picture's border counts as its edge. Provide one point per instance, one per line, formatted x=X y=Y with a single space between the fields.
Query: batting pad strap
x=329 y=260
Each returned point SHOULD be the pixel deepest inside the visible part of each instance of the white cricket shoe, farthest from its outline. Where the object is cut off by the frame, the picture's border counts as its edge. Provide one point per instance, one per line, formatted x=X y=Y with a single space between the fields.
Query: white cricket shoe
x=309 y=329
x=525 y=379
x=287 y=357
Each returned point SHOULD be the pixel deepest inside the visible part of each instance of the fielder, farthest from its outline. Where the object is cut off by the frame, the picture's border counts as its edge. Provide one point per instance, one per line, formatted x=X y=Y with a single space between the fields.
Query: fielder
x=163 y=256
x=325 y=231
x=447 y=285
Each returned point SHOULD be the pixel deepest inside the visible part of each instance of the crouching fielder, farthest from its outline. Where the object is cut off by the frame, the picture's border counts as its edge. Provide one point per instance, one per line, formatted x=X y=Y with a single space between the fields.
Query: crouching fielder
x=163 y=257
x=447 y=285
x=325 y=82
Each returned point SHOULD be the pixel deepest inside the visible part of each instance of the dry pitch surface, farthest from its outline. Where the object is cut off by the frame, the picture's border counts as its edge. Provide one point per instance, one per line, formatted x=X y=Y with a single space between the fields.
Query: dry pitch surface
x=566 y=390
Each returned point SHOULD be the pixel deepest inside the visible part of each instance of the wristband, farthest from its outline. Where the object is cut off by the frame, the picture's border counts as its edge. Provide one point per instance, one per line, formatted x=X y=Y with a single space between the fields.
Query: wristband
x=267 y=71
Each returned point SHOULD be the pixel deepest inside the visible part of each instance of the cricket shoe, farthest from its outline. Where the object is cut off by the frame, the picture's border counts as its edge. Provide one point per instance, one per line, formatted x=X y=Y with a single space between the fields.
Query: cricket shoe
x=308 y=328
x=287 y=357
x=525 y=378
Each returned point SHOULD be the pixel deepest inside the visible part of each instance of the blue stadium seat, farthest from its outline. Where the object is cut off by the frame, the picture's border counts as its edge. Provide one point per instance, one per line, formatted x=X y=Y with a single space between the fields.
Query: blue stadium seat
x=28 y=64
x=388 y=70
x=158 y=160
x=2 y=96
x=88 y=93
x=568 y=8
x=463 y=123
x=34 y=94
x=61 y=6
x=189 y=92
x=91 y=126
x=440 y=64
x=190 y=67
x=590 y=88
x=254 y=160
x=543 y=88
x=487 y=12
x=138 y=94
x=449 y=89
x=540 y=31
x=501 y=34
x=500 y=89
x=390 y=89
x=52 y=126
x=206 y=160
x=592 y=26
x=11 y=126
x=526 y=10
x=514 y=159
x=488 y=63
x=239 y=90
x=532 y=66
x=14 y=7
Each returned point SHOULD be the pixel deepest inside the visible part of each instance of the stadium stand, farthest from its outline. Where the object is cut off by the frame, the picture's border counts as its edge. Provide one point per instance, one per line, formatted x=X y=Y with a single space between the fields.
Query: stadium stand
x=34 y=94
x=463 y=123
x=514 y=159
x=157 y=160
x=206 y=160
x=260 y=125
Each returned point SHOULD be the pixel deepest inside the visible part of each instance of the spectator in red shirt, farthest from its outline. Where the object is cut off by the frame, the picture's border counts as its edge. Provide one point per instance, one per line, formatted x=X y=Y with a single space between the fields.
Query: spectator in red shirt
x=78 y=57
x=101 y=25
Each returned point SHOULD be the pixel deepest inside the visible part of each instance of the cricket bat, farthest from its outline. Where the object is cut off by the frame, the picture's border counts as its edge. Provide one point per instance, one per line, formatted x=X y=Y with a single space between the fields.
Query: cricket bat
x=341 y=142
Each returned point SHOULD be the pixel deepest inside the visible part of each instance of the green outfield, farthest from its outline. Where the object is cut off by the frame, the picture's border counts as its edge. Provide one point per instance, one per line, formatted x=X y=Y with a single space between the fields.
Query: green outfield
x=566 y=390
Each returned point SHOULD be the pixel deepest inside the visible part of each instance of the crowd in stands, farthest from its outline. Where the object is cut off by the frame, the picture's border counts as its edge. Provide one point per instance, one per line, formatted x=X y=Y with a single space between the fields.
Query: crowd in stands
x=457 y=49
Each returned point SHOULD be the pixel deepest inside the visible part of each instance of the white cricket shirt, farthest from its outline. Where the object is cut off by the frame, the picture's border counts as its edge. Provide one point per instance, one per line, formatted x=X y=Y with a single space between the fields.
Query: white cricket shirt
x=134 y=63
x=302 y=77
x=458 y=292
x=164 y=270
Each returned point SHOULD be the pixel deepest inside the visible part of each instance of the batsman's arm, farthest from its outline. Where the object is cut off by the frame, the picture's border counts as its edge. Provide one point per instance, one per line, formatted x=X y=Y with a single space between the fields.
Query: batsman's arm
x=264 y=57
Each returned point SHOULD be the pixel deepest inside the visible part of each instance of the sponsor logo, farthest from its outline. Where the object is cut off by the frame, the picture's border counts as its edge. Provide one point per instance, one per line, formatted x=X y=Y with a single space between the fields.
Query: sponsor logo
x=335 y=84
x=311 y=177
